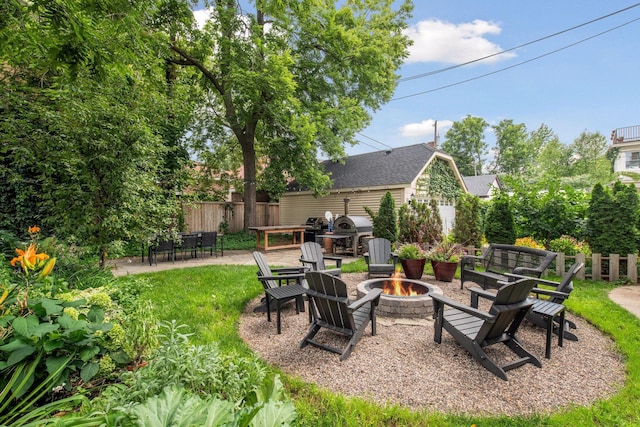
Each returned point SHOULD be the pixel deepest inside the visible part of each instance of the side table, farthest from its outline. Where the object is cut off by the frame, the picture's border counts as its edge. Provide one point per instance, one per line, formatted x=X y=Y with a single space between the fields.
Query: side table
x=548 y=311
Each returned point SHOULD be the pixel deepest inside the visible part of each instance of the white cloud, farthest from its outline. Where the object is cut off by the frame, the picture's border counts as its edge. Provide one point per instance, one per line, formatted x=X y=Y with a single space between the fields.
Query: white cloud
x=201 y=16
x=440 y=41
x=425 y=129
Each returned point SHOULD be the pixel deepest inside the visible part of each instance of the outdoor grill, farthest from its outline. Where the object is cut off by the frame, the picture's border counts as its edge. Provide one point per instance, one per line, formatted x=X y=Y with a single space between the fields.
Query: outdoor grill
x=315 y=226
x=354 y=227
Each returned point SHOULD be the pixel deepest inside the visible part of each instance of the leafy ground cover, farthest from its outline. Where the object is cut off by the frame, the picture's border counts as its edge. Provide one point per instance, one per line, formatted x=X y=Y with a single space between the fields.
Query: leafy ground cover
x=189 y=295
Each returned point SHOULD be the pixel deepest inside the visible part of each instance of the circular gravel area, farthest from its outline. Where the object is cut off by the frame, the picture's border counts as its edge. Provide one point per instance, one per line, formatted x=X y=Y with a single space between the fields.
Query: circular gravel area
x=403 y=365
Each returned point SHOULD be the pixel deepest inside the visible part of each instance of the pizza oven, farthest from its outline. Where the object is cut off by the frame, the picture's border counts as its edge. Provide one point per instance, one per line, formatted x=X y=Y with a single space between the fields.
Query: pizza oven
x=354 y=227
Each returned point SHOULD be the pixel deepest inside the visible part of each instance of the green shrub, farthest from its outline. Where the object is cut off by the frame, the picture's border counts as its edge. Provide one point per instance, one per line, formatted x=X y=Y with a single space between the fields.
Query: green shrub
x=419 y=222
x=200 y=369
x=468 y=222
x=499 y=224
x=569 y=246
x=385 y=222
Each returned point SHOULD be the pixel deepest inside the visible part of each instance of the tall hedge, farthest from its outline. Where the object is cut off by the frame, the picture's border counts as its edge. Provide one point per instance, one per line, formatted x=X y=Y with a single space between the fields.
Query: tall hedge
x=499 y=224
x=467 y=228
x=385 y=222
x=612 y=223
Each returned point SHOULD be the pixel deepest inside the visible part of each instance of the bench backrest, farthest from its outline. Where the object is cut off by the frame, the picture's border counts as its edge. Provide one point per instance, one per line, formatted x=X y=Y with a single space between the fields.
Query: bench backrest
x=502 y=259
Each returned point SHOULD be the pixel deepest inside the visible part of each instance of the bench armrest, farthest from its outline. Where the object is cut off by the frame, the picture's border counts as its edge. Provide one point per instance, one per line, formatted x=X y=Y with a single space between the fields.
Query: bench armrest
x=471 y=260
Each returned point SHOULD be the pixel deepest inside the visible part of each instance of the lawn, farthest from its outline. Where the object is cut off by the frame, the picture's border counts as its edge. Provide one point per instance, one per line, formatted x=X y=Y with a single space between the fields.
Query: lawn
x=188 y=295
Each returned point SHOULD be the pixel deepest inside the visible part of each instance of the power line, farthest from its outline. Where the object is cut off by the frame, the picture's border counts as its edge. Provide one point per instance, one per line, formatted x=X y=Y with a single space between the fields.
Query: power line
x=368 y=145
x=515 y=65
x=453 y=67
x=375 y=140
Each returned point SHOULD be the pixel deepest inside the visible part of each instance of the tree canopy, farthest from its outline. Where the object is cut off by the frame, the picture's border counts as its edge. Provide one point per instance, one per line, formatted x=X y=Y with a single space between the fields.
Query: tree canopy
x=288 y=80
x=89 y=133
x=465 y=143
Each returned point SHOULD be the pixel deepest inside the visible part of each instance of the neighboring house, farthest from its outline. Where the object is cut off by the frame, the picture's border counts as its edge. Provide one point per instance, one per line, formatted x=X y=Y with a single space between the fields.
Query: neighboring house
x=626 y=141
x=362 y=180
x=483 y=186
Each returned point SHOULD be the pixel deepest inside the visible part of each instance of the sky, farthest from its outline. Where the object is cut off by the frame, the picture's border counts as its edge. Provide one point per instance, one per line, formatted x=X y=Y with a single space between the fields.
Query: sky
x=593 y=85
x=583 y=79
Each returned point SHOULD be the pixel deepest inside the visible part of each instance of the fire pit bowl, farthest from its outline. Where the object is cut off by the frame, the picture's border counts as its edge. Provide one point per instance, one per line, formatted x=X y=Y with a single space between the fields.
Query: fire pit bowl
x=412 y=299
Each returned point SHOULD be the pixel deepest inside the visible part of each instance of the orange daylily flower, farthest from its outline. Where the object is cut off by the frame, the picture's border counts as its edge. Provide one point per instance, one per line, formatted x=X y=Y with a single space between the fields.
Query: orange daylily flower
x=34 y=229
x=29 y=258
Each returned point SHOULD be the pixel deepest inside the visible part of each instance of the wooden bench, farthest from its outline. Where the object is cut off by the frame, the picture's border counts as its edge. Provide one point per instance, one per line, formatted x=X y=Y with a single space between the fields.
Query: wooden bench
x=499 y=260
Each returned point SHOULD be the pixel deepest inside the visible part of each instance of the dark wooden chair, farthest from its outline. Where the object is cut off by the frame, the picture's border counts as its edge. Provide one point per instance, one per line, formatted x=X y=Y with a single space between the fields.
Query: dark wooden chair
x=548 y=310
x=161 y=246
x=209 y=241
x=275 y=292
x=313 y=258
x=380 y=260
x=331 y=308
x=475 y=329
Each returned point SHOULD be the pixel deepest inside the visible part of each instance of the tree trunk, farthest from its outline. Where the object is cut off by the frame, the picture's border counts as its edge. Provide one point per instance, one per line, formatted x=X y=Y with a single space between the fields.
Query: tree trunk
x=246 y=140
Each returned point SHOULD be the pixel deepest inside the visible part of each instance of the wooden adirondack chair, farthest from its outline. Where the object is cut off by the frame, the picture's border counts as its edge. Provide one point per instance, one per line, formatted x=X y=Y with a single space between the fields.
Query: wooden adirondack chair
x=380 y=260
x=331 y=308
x=313 y=257
x=544 y=304
x=275 y=293
x=475 y=329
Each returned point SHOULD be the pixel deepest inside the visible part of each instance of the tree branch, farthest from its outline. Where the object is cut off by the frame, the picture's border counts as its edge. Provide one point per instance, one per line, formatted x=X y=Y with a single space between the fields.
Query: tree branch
x=190 y=60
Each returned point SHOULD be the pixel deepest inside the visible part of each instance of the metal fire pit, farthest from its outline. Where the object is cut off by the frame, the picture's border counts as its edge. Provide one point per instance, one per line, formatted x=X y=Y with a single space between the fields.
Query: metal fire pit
x=416 y=306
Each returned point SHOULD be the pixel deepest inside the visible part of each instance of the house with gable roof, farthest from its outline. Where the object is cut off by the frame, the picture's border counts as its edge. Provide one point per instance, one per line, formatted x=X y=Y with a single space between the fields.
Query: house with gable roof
x=483 y=186
x=363 y=179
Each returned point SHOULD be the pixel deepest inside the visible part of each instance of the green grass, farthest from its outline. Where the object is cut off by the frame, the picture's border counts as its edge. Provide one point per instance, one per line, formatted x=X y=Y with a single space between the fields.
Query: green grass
x=210 y=299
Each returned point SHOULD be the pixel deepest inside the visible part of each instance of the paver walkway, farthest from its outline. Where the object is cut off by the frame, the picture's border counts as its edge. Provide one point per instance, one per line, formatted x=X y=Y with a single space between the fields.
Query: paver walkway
x=627 y=297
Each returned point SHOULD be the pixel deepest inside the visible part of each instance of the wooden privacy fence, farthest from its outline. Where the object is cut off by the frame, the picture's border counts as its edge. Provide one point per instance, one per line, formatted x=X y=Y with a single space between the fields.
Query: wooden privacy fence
x=597 y=267
x=207 y=216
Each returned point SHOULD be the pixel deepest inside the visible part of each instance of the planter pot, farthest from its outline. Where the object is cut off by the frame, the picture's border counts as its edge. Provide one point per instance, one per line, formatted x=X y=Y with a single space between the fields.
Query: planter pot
x=444 y=271
x=413 y=268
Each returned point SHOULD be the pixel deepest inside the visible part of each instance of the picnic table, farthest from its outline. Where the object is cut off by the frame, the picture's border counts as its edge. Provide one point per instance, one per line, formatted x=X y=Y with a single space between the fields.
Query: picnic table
x=262 y=236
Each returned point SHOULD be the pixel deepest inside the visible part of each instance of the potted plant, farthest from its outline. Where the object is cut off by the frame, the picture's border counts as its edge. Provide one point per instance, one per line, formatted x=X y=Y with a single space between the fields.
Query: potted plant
x=444 y=258
x=412 y=257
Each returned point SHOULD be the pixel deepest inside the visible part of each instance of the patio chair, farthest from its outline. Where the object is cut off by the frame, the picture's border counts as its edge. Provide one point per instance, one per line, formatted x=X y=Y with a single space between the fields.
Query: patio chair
x=275 y=293
x=188 y=243
x=380 y=260
x=209 y=241
x=313 y=257
x=475 y=329
x=541 y=306
x=161 y=246
x=331 y=308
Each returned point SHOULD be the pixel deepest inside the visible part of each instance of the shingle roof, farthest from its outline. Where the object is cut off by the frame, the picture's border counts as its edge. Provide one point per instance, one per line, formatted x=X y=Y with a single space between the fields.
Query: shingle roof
x=391 y=167
x=480 y=185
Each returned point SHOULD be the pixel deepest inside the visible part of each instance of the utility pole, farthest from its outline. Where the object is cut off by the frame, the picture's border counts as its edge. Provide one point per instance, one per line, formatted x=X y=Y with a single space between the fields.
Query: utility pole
x=435 y=134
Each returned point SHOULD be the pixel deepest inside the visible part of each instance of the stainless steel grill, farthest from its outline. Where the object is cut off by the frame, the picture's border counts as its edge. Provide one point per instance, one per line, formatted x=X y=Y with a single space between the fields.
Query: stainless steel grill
x=314 y=227
x=354 y=227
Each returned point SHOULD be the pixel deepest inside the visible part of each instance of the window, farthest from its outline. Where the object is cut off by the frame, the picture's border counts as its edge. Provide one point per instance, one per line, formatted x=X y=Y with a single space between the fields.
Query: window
x=633 y=160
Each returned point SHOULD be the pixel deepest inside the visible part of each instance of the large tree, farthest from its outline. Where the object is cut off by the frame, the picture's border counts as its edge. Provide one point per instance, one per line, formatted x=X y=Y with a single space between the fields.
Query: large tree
x=514 y=150
x=465 y=142
x=88 y=133
x=290 y=79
